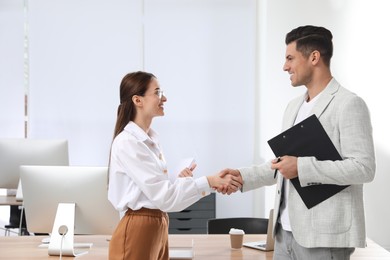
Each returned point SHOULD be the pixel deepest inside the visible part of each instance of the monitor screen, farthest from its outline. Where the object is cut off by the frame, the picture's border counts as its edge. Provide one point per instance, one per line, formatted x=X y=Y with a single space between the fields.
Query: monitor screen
x=44 y=187
x=16 y=152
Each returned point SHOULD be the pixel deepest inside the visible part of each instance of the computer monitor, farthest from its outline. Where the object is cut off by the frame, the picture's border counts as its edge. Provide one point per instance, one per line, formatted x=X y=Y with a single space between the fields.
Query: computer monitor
x=16 y=152
x=44 y=187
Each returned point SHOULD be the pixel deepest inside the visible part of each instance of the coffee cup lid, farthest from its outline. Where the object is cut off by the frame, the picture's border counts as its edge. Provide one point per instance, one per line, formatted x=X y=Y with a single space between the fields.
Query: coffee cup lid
x=236 y=231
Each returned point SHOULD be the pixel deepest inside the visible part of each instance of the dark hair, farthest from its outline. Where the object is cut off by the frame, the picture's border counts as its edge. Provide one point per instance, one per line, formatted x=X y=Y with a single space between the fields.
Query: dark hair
x=135 y=83
x=310 y=38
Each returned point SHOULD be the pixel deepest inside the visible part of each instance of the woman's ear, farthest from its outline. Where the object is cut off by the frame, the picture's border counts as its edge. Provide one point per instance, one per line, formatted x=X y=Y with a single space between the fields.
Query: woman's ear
x=137 y=100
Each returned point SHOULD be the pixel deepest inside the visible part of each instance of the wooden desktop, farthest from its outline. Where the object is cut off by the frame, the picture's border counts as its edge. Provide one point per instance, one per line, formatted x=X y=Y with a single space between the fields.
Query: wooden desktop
x=9 y=201
x=205 y=247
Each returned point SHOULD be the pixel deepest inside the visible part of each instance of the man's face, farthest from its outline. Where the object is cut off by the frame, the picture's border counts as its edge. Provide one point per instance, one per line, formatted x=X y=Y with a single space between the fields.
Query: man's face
x=298 y=66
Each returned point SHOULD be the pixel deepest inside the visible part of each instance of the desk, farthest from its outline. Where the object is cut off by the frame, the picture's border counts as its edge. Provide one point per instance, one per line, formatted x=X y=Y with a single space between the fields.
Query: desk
x=206 y=247
x=9 y=201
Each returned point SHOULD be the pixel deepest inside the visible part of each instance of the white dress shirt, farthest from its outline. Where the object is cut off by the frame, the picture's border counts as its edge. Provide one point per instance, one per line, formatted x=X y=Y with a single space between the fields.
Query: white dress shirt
x=138 y=175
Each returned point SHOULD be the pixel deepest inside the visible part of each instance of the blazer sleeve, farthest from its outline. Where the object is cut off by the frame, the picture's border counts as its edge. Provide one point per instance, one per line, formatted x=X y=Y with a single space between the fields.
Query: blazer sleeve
x=257 y=176
x=347 y=122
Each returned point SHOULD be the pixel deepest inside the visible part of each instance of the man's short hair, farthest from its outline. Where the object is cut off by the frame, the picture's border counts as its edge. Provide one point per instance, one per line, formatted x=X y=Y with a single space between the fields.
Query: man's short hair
x=310 y=38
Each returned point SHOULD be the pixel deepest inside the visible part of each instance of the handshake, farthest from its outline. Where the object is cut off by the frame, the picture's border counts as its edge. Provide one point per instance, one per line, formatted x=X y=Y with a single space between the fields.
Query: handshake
x=226 y=181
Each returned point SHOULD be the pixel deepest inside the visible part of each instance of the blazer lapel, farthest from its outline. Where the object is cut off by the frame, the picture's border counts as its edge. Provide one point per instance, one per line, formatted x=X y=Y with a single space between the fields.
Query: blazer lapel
x=326 y=97
x=322 y=103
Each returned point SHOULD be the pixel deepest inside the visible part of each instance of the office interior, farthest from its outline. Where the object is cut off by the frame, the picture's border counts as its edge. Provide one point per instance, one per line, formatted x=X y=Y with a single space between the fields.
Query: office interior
x=219 y=63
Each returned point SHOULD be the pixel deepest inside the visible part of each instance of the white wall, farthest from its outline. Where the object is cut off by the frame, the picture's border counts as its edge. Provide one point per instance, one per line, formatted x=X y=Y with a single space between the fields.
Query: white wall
x=201 y=51
x=78 y=54
x=203 y=54
x=11 y=69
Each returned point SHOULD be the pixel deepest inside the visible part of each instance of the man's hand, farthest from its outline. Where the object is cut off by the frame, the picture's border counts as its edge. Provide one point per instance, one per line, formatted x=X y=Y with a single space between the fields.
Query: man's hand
x=232 y=174
x=225 y=183
x=287 y=166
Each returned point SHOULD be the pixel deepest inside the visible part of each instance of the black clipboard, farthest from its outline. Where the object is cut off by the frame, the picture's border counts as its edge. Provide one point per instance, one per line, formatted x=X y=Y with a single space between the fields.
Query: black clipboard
x=308 y=138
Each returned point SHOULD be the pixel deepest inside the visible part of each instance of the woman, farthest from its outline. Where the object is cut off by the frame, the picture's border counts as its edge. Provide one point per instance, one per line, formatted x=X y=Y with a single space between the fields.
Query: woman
x=139 y=187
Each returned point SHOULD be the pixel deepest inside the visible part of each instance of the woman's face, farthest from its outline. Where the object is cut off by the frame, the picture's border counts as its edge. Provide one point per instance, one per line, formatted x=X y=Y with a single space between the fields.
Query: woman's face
x=154 y=99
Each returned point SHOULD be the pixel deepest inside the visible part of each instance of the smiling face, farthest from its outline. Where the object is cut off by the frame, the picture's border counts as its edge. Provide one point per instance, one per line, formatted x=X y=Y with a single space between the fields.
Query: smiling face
x=298 y=66
x=153 y=100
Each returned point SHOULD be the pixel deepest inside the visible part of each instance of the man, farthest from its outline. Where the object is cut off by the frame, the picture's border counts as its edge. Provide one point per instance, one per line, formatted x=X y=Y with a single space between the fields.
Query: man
x=333 y=228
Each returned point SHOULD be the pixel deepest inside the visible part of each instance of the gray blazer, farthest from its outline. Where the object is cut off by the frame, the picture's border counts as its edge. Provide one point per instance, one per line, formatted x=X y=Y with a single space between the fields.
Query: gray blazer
x=339 y=220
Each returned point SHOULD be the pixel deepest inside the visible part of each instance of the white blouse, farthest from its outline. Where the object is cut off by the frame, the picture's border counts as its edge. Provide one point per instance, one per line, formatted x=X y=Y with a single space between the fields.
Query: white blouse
x=138 y=175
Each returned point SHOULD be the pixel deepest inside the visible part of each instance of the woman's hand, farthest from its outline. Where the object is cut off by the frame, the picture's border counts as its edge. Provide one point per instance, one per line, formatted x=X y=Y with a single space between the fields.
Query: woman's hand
x=187 y=172
x=227 y=181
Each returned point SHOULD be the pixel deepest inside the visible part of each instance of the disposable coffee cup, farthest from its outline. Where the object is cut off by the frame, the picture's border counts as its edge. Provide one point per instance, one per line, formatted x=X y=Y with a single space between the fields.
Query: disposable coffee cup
x=236 y=238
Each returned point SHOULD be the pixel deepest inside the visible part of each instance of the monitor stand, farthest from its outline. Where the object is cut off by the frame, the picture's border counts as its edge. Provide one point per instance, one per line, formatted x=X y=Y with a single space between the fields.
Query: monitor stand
x=62 y=236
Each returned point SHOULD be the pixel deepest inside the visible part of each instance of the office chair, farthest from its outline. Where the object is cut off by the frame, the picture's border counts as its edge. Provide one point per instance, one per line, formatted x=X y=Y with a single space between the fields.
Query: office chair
x=17 y=220
x=249 y=225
